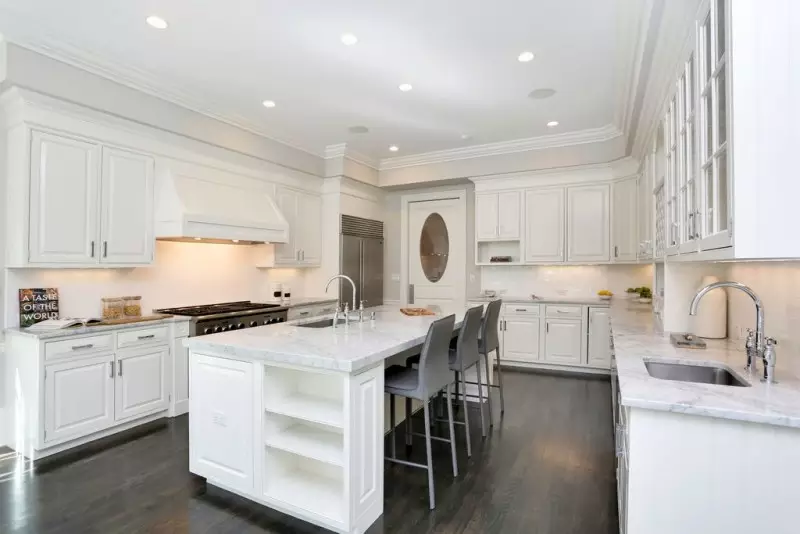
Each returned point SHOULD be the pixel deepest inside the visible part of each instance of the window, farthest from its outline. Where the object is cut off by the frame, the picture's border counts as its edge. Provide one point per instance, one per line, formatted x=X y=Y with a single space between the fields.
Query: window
x=714 y=120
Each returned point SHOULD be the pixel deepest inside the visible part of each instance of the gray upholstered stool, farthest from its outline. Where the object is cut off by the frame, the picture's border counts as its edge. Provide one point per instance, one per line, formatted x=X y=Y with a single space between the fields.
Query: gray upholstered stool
x=489 y=341
x=422 y=383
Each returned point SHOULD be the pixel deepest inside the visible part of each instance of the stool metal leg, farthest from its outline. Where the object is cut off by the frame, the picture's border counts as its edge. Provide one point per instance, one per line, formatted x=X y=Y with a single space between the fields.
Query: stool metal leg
x=456 y=381
x=500 y=383
x=488 y=389
x=480 y=398
x=391 y=424
x=408 y=422
x=466 y=413
x=426 y=409
x=452 y=430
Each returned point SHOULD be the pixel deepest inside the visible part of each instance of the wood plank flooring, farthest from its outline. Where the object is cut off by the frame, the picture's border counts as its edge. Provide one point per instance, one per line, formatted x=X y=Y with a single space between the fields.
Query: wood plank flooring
x=547 y=468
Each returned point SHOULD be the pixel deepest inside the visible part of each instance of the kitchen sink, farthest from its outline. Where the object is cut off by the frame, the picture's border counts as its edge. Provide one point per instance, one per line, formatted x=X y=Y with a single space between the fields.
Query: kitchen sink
x=325 y=323
x=703 y=374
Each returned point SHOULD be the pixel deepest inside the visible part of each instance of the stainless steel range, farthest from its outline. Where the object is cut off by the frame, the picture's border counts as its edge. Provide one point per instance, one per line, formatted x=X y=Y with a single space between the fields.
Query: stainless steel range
x=226 y=316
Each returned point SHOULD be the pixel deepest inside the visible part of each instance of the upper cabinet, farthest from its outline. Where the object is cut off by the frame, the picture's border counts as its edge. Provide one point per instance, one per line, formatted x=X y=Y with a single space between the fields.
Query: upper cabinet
x=89 y=205
x=544 y=225
x=303 y=212
x=625 y=220
x=497 y=215
x=588 y=223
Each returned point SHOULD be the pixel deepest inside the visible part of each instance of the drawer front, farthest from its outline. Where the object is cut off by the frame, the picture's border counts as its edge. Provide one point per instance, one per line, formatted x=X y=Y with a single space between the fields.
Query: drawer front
x=563 y=311
x=303 y=312
x=182 y=329
x=141 y=337
x=521 y=309
x=78 y=346
x=325 y=309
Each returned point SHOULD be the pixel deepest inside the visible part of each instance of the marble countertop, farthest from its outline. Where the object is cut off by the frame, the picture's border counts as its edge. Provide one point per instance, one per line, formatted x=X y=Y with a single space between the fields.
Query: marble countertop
x=88 y=330
x=583 y=301
x=347 y=349
x=637 y=338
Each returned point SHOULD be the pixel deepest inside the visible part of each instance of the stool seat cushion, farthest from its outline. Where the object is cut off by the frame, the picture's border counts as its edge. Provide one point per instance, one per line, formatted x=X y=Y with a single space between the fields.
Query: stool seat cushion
x=399 y=380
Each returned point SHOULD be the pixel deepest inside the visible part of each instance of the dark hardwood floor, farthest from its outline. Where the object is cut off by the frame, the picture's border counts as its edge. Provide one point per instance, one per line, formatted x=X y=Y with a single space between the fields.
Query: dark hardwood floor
x=547 y=468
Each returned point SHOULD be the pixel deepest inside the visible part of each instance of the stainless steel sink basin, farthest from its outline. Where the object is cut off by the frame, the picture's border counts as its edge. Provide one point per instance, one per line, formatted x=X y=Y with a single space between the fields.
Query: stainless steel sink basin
x=325 y=323
x=703 y=374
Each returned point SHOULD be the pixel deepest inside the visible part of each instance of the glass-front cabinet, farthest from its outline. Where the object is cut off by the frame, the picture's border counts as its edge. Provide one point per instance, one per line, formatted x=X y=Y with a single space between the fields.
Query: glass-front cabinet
x=696 y=194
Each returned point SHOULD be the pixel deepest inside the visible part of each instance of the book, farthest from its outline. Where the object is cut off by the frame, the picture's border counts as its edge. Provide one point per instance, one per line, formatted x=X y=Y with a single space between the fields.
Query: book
x=59 y=324
x=37 y=305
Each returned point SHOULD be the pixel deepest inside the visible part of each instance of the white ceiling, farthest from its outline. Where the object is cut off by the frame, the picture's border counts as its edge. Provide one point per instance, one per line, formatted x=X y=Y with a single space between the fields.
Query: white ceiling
x=226 y=57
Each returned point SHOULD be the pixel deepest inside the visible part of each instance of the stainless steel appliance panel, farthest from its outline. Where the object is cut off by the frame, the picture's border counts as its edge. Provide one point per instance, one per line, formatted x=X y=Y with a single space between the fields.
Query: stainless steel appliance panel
x=350 y=265
x=372 y=272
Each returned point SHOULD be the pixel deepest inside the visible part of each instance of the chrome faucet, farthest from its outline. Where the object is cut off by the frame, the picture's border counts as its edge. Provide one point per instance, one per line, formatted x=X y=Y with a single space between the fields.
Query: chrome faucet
x=760 y=348
x=344 y=277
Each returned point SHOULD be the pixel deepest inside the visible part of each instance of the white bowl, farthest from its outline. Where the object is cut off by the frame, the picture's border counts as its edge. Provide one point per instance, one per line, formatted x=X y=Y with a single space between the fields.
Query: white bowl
x=605 y=297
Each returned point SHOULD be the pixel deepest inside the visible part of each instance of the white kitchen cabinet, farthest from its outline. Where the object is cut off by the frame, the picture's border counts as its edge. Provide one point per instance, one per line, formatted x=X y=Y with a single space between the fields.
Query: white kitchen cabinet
x=78 y=397
x=544 y=225
x=64 y=182
x=303 y=213
x=140 y=385
x=497 y=215
x=562 y=342
x=126 y=229
x=180 y=377
x=588 y=223
x=646 y=207
x=599 y=338
x=520 y=338
x=625 y=220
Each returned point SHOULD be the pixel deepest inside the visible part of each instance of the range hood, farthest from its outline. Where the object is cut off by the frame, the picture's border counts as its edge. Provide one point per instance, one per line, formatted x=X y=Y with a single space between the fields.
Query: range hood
x=196 y=209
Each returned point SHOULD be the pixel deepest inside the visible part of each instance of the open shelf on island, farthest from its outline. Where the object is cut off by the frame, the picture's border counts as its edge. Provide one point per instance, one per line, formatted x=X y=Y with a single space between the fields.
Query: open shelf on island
x=310 y=396
x=305 y=439
x=305 y=484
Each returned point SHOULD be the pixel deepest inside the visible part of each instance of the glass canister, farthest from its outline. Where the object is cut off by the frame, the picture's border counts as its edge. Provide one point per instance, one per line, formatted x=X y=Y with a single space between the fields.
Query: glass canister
x=113 y=308
x=133 y=306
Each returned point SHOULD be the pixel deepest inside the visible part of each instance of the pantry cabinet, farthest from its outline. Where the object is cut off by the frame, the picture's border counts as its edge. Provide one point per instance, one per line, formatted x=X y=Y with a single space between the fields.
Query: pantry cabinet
x=303 y=213
x=588 y=223
x=625 y=220
x=498 y=215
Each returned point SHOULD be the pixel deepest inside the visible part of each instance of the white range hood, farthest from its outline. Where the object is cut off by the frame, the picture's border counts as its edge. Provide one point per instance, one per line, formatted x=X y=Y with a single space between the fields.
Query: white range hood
x=197 y=209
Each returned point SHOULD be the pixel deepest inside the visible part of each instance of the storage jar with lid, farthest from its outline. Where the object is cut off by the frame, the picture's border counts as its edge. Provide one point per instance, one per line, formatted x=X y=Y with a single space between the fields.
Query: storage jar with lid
x=133 y=306
x=113 y=308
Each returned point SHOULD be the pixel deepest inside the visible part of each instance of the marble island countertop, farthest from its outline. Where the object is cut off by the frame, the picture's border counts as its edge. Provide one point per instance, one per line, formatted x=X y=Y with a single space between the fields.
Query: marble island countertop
x=348 y=349
x=518 y=299
x=637 y=338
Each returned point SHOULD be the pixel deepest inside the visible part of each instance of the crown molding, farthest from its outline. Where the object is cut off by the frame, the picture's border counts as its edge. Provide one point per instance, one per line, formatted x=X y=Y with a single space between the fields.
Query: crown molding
x=635 y=16
x=142 y=81
x=341 y=151
x=580 y=137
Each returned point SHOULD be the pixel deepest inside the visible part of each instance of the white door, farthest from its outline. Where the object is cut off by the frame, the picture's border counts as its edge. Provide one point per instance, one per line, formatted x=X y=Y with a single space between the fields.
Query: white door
x=544 y=225
x=287 y=253
x=599 y=338
x=521 y=339
x=588 y=223
x=79 y=398
x=562 y=343
x=625 y=220
x=508 y=214
x=64 y=200
x=180 y=377
x=141 y=386
x=309 y=229
x=126 y=229
x=486 y=216
x=436 y=252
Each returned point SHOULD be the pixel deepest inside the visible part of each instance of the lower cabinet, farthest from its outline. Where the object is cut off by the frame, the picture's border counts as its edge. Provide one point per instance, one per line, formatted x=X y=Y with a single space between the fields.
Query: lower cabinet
x=180 y=377
x=563 y=340
x=599 y=353
x=78 y=397
x=140 y=384
x=521 y=338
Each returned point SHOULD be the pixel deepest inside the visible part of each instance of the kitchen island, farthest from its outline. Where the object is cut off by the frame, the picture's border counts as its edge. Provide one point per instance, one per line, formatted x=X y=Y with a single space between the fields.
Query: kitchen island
x=292 y=417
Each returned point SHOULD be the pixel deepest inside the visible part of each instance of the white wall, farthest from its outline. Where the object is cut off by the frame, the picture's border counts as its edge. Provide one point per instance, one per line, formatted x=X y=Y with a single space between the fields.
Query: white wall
x=564 y=280
x=184 y=274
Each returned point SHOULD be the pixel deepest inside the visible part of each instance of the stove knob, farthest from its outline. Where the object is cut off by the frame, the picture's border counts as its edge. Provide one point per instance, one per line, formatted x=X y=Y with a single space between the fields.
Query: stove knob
x=207 y=331
x=253 y=323
x=266 y=322
x=240 y=326
x=282 y=319
x=216 y=329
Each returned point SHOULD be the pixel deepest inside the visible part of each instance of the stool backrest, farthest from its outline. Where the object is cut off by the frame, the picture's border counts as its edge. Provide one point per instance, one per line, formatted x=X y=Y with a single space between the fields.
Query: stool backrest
x=467 y=343
x=434 y=367
x=489 y=326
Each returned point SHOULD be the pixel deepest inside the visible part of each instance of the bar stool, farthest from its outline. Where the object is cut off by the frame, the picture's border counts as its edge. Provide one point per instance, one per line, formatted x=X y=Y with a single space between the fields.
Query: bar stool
x=423 y=383
x=489 y=341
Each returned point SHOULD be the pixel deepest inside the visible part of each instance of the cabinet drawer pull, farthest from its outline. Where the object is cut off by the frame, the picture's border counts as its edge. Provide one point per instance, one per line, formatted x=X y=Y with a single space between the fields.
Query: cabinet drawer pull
x=119 y=368
x=521 y=309
x=562 y=311
x=150 y=336
x=304 y=313
x=105 y=249
x=81 y=347
x=92 y=249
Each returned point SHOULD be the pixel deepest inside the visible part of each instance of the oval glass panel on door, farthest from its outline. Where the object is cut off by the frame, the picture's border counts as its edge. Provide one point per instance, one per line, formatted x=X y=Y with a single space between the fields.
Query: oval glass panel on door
x=434 y=247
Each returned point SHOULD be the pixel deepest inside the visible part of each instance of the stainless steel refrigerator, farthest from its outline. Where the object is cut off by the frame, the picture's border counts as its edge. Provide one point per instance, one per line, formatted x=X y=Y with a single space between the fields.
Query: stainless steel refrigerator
x=361 y=258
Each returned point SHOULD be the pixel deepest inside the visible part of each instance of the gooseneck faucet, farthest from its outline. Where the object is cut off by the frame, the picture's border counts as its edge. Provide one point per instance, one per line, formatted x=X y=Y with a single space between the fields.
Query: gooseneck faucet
x=760 y=346
x=344 y=277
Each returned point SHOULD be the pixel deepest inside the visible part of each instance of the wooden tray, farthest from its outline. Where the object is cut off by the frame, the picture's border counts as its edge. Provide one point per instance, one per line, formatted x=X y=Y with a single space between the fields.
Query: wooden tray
x=416 y=312
x=128 y=320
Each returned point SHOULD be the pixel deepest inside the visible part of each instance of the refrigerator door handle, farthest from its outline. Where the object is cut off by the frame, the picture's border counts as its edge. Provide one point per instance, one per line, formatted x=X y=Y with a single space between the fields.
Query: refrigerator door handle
x=360 y=270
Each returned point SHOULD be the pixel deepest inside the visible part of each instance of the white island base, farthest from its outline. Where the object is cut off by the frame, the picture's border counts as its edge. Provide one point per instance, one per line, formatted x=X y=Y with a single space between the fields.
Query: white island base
x=308 y=443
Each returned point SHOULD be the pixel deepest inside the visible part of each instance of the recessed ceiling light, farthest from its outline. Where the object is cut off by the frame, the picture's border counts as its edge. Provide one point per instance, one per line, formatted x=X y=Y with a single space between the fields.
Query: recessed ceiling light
x=349 y=39
x=157 y=22
x=552 y=124
x=466 y=136
x=268 y=103
x=541 y=94
x=405 y=87
x=525 y=57
x=394 y=148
